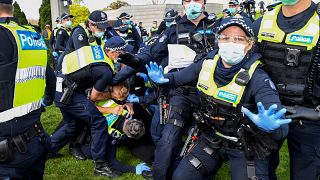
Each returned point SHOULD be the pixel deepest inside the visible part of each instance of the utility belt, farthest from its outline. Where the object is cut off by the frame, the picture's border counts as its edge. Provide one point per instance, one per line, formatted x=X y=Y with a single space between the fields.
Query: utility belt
x=69 y=87
x=19 y=142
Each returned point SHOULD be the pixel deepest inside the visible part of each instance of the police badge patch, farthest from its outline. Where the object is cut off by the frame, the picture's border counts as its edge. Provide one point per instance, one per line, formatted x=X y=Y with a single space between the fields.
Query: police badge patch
x=80 y=37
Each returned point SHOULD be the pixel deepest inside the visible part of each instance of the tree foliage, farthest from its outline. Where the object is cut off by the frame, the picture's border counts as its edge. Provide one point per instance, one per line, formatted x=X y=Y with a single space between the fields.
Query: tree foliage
x=80 y=13
x=118 y=4
x=45 y=14
x=19 y=14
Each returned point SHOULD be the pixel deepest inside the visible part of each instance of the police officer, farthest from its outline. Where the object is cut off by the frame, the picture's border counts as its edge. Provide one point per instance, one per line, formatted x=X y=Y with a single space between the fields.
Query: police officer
x=229 y=79
x=234 y=8
x=63 y=32
x=171 y=17
x=128 y=32
x=95 y=31
x=24 y=79
x=167 y=136
x=92 y=69
x=289 y=42
x=154 y=28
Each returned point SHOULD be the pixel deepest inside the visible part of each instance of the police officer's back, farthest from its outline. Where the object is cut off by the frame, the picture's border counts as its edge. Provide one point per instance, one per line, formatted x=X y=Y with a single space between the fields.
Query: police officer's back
x=24 y=78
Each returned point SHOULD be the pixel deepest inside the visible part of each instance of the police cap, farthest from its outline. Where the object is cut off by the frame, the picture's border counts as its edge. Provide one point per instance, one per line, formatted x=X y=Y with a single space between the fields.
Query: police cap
x=125 y=15
x=6 y=1
x=117 y=43
x=171 y=15
x=99 y=18
x=118 y=25
x=244 y=23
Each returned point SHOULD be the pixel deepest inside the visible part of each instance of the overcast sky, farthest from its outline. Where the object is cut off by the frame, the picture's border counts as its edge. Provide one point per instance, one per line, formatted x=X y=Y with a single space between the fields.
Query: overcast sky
x=31 y=7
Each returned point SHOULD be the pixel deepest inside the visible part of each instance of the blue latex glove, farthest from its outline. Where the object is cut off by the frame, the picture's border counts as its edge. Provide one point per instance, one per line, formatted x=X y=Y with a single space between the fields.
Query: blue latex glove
x=142 y=167
x=55 y=54
x=268 y=120
x=132 y=98
x=155 y=73
x=42 y=103
x=143 y=76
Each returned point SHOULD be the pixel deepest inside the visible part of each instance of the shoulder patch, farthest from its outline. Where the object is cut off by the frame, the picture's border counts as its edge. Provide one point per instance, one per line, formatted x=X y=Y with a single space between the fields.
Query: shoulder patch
x=80 y=37
x=271 y=84
x=162 y=38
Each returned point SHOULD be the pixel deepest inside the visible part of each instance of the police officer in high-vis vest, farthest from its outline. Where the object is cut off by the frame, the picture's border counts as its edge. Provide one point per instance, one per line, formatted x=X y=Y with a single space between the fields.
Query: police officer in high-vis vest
x=87 y=67
x=289 y=42
x=192 y=33
x=95 y=31
x=229 y=81
x=63 y=33
x=24 y=79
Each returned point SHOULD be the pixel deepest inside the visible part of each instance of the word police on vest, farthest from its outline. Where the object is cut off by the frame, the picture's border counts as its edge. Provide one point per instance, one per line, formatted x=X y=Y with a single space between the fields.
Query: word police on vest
x=97 y=53
x=29 y=41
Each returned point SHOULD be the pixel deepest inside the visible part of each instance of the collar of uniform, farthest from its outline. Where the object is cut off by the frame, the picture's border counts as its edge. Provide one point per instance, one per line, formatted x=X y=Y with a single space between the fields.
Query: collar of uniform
x=8 y=19
x=184 y=18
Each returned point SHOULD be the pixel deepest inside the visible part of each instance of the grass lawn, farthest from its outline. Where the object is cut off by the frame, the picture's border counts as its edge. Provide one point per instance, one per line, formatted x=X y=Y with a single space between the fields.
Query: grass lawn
x=70 y=168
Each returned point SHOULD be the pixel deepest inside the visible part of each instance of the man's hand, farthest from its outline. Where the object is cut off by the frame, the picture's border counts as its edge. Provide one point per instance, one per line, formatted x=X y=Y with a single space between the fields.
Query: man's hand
x=129 y=108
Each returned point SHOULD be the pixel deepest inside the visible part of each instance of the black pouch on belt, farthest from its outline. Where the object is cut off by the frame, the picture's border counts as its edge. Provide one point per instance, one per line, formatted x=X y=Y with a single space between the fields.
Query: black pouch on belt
x=20 y=143
x=5 y=151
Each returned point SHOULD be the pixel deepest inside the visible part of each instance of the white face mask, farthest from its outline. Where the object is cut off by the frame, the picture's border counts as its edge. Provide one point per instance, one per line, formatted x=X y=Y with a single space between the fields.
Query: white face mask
x=232 y=53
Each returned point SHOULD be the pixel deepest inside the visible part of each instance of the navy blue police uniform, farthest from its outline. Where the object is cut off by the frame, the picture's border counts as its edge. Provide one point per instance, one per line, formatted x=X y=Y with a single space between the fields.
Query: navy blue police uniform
x=259 y=89
x=28 y=142
x=183 y=100
x=303 y=146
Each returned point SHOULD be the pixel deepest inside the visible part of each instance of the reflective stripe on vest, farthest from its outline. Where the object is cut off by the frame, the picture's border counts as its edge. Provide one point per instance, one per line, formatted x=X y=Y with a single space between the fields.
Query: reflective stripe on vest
x=307 y=36
x=84 y=56
x=30 y=73
x=112 y=118
x=231 y=93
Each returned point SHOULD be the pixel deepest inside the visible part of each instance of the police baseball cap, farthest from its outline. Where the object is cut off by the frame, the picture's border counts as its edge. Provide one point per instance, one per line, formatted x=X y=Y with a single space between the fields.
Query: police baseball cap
x=235 y=2
x=58 y=19
x=118 y=25
x=65 y=16
x=99 y=18
x=171 y=15
x=6 y=1
x=117 y=43
x=244 y=23
x=125 y=15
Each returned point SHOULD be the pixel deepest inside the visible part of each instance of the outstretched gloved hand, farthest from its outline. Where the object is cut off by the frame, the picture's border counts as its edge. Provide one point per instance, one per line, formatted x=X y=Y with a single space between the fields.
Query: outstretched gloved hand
x=268 y=120
x=132 y=98
x=155 y=73
x=142 y=167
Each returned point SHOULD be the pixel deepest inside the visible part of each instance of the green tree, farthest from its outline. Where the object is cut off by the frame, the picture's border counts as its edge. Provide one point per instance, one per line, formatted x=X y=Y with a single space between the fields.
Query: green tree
x=80 y=13
x=19 y=14
x=118 y=4
x=45 y=14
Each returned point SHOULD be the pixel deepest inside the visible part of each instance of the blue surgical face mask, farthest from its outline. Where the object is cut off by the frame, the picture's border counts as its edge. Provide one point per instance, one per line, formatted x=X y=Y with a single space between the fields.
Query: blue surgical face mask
x=168 y=24
x=289 y=2
x=99 y=34
x=232 y=10
x=69 y=24
x=128 y=22
x=231 y=53
x=193 y=10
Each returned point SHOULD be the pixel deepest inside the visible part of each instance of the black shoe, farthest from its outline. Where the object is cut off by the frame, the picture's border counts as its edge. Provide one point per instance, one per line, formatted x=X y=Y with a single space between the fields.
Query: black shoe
x=77 y=153
x=146 y=174
x=54 y=155
x=104 y=169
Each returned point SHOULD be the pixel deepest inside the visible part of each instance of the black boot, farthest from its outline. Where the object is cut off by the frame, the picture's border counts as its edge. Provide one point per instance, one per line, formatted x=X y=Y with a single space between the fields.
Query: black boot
x=147 y=174
x=76 y=152
x=104 y=169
